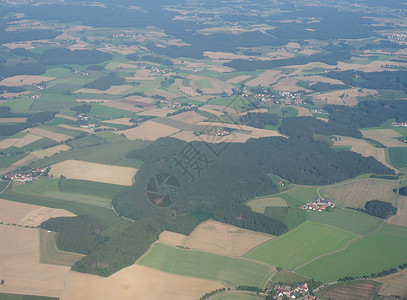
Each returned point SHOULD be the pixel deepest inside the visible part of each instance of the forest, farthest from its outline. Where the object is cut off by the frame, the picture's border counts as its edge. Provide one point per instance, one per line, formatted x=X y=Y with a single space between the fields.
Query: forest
x=104 y=83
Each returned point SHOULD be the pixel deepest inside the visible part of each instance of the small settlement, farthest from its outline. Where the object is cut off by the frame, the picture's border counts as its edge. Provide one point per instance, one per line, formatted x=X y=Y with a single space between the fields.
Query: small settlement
x=298 y=291
x=27 y=176
x=319 y=204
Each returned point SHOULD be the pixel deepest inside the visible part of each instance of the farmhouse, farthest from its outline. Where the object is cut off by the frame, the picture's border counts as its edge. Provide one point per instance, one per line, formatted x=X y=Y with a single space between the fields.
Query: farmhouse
x=288 y=291
x=27 y=176
x=319 y=204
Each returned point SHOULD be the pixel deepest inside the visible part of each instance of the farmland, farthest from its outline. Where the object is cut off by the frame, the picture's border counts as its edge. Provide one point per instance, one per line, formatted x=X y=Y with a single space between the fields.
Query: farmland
x=73 y=169
x=356 y=290
x=216 y=237
x=205 y=265
x=398 y=157
x=401 y=217
x=394 y=284
x=301 y=244
x=385 y=247
x=356 y=194
x=351 y=220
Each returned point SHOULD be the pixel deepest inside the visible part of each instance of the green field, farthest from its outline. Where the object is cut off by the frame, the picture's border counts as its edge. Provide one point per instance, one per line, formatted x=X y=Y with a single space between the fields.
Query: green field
x=40 y=144
x=109 y=112
x=111 y=137
x=89 y=140
x=6 y=161
x=97 y=189
x=232 y=102
x=290 y=111
x=380 y=251
x=277 y=213
x=288 y=277
x=57 y=121
x=48 y=187
x=260 y=204
x=19 y=104
x=301 y=245
x=206 y=265
x=115 y=223
x=398 y=157
x=4 y=296
x=104 y=154
x=351 y=220
x=49 y=253
x=204 y=83
x=38 y=187
x=53 y=102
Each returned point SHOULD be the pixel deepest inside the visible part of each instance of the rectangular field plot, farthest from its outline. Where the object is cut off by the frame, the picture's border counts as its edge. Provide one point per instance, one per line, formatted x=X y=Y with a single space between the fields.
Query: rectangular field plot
x=351 y=220
x=356 y=194
x=380 y=251
x=260 y=204
x=398 y=157
x=301 y=245
x=205 y=265
x=354 y=290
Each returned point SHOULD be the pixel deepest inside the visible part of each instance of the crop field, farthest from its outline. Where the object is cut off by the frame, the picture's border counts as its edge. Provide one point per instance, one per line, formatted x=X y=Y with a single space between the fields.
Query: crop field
x=301 y=245
x=394 y=284
x=385 y=137
x=91 y=188
x=137 y=282
x=260 y=204
x=398 y=157
x=109 y=112
x=38 y=187
x=6 y=296
x=49 y=254
x=22 y=104
x=82 y=170
x=105 y=154
x=89 y=140
x=351 y=220
x=354 y=290
x=28 y=215
x=220 y=238
x=50 y=151
x=386 y=248
x=24 y=80
x=364 y=148
x=239 y=296
x=401 y=217
x=356 y=194
x=149 y=131
x=58 y=137
x=278 y=213
x=21 y=268
x=205 y=265
x=287 y=277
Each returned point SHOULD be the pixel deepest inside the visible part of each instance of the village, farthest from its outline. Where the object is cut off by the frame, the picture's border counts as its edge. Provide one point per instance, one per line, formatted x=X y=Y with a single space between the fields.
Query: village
x=283 y=291
x=319 y=204
x=27 y=176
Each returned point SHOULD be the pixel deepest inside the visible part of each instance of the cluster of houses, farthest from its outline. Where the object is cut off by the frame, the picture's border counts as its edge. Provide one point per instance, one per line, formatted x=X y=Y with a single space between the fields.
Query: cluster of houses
x=40 y=86
x=319 y=204
x=28 y=176
x=397 y=38
x=82 y=73
x=36 y=96
x=397 y=124
x=291 y=292
x=288 y=98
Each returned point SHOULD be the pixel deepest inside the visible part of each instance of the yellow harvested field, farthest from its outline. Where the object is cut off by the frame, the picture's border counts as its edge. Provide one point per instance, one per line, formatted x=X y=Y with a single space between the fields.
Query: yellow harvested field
x=266 y=78
x=394 y=284
x=13 y=120
x=83 y=170
x=188 y=91
x=225 y=55
x=308 y=52
x=157 y=112
x=239 y=79
x=162 y=93
x=212 y=111
x=303 y=112
x=289 y=84
x=124 y=104
x=26 y=140
x=356 y=194
x=141 y=99
x=384 y=136
x=27 y=214
x=319 y=79
x=189 y=117
x=137 y=283
x=172 y=238
x=219 y=238
x=20 y=264
x=344 y=97
x=58 y=137
x=401 y=217
x=4 y=144
x=220 y=69
x=120 y=121
x=20 y=80
x=50 y=151
x=364 y=148
x=309 y=66
x=149 y=131
x=260 y=204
